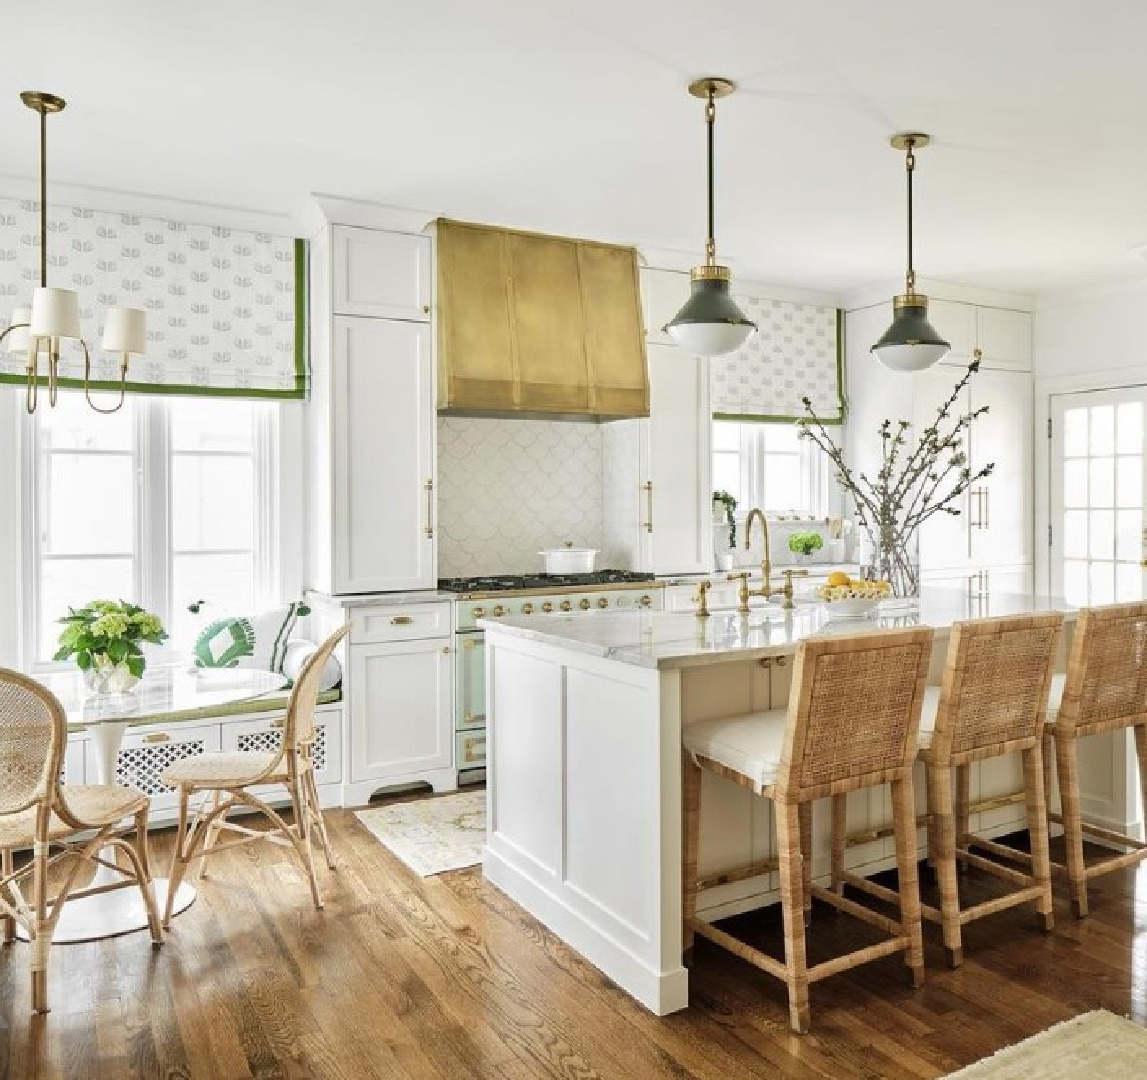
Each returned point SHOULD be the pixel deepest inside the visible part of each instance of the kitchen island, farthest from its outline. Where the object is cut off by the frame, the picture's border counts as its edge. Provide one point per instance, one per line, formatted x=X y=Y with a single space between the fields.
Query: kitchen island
x=585 y=717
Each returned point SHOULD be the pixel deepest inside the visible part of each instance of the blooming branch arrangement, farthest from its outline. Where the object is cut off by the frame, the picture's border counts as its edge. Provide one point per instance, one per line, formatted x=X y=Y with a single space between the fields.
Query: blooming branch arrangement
x=108 y=633
x=913 y=483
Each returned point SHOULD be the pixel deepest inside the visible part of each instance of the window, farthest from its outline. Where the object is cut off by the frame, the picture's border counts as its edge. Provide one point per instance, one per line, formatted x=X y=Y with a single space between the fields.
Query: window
x=168 y=501
x=767 y=465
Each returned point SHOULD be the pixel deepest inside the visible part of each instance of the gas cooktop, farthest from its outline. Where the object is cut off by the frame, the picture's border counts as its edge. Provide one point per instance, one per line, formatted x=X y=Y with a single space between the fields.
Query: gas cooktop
x=532 y=582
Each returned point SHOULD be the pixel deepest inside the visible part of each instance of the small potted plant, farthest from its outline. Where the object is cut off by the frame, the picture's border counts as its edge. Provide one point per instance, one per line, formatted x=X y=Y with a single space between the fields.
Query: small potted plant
x=106 y=638
x=804 y=544
x=725 y=505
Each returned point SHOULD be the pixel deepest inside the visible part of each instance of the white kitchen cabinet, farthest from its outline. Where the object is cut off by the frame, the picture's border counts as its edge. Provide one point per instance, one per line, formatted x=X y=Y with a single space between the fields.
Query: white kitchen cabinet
x=956 y=324
x=663 y=292
x=380 y=274
x=401 y=723
x=658 y=509
x=380 y=507
x=1004 y=338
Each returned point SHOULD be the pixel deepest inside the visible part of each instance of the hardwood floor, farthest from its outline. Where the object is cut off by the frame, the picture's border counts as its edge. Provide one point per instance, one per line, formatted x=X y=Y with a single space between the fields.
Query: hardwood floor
x=445 y=977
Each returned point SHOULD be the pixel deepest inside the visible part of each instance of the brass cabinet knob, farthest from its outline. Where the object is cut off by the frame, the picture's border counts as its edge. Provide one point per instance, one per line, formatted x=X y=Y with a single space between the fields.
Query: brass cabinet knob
x=584 y=605
x=647 y=601
x=478 y=612
x=603 y=603
x=499 y=611
x=527 y=608
x=566 y=605
x=547 y=607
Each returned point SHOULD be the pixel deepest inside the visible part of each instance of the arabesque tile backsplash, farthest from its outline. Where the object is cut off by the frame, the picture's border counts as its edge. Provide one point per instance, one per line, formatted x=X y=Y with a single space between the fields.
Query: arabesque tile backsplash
x=508 y=488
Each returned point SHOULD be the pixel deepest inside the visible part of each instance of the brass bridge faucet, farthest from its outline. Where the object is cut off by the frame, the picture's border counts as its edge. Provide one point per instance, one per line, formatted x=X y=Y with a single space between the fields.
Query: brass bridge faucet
x=766 y=590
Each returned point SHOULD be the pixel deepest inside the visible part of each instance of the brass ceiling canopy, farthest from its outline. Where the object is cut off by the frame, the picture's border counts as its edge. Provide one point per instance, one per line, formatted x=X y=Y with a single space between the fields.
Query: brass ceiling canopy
x=915 y=140
x=712 y=84
x=42 y=102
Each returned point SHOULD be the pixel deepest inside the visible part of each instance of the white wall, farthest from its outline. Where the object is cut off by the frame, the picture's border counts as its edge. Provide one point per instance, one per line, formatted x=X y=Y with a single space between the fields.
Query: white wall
x=508 y=488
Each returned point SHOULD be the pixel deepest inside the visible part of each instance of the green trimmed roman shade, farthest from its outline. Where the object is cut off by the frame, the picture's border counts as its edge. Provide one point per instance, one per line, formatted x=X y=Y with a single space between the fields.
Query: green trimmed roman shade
x=795 y=353
x=225 y=307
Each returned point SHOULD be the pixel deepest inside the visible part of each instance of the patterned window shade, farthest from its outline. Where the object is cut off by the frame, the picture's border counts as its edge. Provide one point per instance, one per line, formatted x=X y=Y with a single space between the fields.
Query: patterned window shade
x=794 y=354
x=225 y=308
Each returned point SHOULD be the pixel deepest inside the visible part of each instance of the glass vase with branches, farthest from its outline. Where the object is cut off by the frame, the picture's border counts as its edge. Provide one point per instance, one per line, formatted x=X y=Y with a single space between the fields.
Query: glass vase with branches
x=916 y=480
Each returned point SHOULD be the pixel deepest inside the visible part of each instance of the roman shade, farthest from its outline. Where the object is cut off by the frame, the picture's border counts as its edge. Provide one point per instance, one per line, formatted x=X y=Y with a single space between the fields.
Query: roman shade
x=795 y=353
x=225 y=307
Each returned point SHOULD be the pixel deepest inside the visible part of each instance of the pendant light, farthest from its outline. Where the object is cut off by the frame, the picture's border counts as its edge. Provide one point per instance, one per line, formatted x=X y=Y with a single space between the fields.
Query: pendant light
x=55 y=313
x=710 y=323
x=910 y=343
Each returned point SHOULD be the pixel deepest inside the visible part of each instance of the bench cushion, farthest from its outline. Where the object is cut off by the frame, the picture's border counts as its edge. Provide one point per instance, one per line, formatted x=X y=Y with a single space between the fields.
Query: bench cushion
x=750 y=745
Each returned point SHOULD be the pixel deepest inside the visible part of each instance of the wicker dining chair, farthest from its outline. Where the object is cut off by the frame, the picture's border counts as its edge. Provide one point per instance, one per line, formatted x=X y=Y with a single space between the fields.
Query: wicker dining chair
x=851 y=723
x=38 y=812
x=992 y=702
x=225 y=779
x=1105 y=690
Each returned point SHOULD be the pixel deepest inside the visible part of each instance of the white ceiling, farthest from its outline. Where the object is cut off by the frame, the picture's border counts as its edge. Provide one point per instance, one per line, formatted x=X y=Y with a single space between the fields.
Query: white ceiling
x=573 y=118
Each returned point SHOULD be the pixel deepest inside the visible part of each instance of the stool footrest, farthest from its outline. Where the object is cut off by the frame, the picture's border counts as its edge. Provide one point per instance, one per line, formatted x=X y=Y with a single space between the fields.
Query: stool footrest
x=858 y=911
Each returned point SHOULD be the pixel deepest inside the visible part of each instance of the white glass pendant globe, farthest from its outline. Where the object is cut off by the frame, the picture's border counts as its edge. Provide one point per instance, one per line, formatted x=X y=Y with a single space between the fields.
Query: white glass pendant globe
x=710 y=339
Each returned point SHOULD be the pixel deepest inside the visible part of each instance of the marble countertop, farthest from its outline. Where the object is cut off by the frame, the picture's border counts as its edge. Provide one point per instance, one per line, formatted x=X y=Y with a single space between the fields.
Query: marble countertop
x=815 y=570
x=667 y=640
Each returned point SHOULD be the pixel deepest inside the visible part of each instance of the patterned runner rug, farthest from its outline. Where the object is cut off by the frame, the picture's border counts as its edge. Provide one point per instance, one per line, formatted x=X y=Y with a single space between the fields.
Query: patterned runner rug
x=1095 y=1046
x=432 y=835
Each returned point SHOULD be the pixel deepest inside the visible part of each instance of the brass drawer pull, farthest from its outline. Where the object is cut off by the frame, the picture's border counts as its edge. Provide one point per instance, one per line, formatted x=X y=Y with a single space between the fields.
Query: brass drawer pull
x=279 y=722
x=429 y=509
x=157 y=737
x=648 y=523
x=401 y=620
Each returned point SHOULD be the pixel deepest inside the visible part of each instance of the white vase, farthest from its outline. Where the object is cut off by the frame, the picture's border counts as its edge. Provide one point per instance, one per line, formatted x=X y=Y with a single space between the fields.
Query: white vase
x=107 y=677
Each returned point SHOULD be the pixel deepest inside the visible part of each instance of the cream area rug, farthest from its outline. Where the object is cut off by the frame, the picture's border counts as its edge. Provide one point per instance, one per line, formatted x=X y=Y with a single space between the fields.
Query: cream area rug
x=1095 y=1046
x=432 y=835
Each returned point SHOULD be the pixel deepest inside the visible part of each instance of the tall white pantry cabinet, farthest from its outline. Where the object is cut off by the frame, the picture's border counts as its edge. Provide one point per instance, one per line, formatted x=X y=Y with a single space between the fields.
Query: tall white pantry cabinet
x=372 y=503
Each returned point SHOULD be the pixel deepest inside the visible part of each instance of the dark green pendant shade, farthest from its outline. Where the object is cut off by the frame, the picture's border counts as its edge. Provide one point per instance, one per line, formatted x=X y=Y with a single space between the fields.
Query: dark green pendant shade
x=911 y=343
x=710 y=323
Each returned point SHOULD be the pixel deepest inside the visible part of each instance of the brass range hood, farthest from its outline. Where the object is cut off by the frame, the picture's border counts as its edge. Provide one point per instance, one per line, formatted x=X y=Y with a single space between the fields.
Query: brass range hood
x=535 y=325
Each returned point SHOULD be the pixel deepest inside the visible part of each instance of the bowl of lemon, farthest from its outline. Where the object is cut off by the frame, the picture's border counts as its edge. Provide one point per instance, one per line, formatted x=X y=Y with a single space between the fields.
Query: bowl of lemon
x=852 y=597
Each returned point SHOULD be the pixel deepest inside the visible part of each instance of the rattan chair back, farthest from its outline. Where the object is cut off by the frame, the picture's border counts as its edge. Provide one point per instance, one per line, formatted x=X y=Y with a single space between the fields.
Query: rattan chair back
x=299 y=729
x=993 y=698
x=1106 y=686
x=854 y=712
x=33 y=734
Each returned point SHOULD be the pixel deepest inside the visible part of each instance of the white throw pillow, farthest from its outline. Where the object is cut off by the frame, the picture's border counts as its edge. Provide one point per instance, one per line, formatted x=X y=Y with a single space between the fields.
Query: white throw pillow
x=299 y=652
x=254 y=641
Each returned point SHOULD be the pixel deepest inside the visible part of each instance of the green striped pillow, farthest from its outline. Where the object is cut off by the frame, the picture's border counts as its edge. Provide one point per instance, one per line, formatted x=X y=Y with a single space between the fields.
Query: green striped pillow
x=254 y=641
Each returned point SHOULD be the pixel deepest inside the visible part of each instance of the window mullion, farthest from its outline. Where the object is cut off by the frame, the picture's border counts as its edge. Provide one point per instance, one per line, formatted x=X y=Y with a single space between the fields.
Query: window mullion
x=153 y=469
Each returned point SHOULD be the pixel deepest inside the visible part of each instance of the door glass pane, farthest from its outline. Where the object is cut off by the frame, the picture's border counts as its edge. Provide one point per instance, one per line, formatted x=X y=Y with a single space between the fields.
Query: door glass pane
x=1075 y=534
x=1102 y=534
x=1129 y=428
x=1103 y=429
x=1075 y=581
x=1128 y=582
x=1075 y=433
x=1075 y=482
x=1128 y=481
x=1102 y=583
x=68 y=583
x=1128 y=530
x=1102 y=481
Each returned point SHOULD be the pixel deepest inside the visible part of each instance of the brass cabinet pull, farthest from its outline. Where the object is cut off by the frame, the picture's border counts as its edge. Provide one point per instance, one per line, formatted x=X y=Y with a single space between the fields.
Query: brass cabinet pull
x=648 y=523
x=429 y=509
x=401 y=620
x=279 y=722
x=478 y=612
x=157 y=737
x=986 y=492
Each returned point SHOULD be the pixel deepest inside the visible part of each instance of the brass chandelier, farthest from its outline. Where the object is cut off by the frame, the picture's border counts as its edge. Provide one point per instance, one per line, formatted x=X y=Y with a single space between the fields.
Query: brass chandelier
x=54 y=315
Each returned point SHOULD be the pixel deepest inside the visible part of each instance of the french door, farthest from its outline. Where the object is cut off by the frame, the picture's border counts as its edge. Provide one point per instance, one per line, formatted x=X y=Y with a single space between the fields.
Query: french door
x=1097 y=496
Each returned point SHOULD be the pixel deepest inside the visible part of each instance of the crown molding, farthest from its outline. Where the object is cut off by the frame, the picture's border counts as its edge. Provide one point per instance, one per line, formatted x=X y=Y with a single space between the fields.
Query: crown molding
x=871 y=295
x=321 y=210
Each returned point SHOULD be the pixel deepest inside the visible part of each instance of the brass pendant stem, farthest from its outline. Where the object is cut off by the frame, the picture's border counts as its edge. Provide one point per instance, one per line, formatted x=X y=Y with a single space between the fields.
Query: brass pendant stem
x=43 y=199
x=710 y=123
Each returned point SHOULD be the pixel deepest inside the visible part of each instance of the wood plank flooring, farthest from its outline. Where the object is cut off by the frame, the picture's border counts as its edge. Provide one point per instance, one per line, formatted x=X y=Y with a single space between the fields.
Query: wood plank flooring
x=445 y=977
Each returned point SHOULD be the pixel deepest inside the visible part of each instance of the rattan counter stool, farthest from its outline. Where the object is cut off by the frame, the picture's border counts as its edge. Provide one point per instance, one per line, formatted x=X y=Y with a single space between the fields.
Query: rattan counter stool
x=224 y=780
x=1105 y=690
x=992 y=701
x=852 y=721
x=37 y=811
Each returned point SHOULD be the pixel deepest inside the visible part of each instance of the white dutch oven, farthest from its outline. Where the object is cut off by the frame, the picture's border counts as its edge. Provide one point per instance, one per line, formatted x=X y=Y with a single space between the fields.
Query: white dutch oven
x=569 y=560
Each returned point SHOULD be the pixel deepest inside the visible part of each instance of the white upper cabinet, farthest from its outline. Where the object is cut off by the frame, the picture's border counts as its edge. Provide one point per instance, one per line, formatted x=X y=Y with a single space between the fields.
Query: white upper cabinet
x=956 y=324
x=1004 y=338
x=384 y=517
x=662 y=294
x=380 y=274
